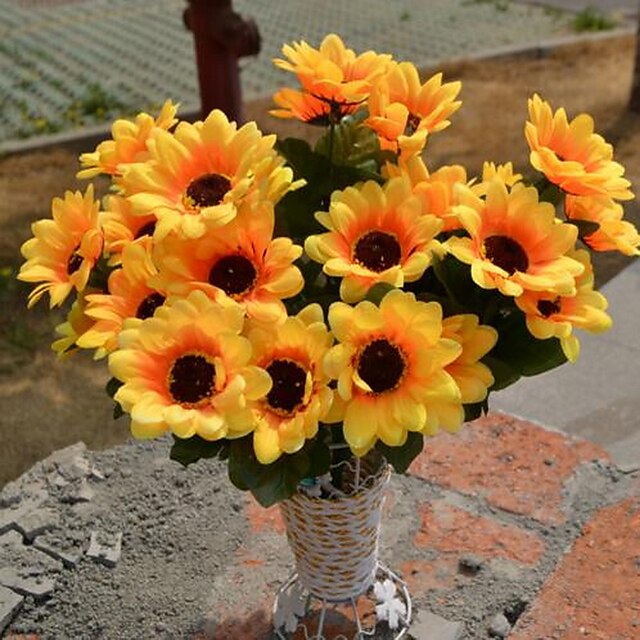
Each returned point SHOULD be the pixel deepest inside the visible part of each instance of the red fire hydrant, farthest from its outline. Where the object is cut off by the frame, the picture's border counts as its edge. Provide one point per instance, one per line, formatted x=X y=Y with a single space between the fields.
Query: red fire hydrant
x=221 y=38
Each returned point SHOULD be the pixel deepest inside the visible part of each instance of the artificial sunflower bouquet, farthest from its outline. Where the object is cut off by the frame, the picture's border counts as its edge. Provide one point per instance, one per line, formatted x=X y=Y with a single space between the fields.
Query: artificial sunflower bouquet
x=276 y=305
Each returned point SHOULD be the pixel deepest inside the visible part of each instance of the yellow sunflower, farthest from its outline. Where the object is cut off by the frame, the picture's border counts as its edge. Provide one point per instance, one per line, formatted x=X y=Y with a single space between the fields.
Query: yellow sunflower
x=292 y=354
x=335 y=81
x=491 y=172
x=403 y=110
x=128 y=143
x=130 y=298
x=187 y=369
x=390 y=365
x=613 y=233
x=239 y=262
x=472 y=376
x=376 y=234
x=515 y=242
x=74 y=327
x=64 y=249
x=555 y=316
x=121 y=227
x=198 y=177
x=571 y=155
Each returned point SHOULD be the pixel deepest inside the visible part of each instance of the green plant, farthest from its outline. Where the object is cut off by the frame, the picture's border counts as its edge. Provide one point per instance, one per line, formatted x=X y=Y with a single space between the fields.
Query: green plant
x=592 y=19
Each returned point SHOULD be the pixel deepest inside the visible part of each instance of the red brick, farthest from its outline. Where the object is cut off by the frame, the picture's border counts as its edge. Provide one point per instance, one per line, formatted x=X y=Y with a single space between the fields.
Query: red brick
x=450 y=529
x=595 y=590
x=255 y=625
x=264 y=520
x=514 y=465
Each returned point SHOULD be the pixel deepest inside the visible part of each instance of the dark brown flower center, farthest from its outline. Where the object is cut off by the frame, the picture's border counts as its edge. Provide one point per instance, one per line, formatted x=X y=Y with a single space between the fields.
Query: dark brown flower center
x=548 y=307
x=287 y=392
x=74 y=262
x=146 y=229
x=191 y=379
x=377 y=251
x=506 y=254
x=148 y=306
x=208 y=190
x=413 y=122
x=233 y=274
x=381 y=365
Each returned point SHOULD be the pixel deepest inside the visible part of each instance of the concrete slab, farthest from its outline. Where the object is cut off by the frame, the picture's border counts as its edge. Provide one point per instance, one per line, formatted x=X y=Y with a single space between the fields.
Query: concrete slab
x=597 y=398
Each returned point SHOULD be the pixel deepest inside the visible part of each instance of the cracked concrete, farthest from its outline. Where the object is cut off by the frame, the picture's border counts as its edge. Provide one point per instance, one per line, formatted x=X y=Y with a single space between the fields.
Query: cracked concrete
x=163 y=552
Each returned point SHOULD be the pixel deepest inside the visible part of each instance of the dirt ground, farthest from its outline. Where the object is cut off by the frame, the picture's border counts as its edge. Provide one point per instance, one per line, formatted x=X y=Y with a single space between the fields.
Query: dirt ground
x=46 y=404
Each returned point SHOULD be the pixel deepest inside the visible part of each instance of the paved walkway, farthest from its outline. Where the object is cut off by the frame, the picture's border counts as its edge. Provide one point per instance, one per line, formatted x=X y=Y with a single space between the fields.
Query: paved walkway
x=72 y=63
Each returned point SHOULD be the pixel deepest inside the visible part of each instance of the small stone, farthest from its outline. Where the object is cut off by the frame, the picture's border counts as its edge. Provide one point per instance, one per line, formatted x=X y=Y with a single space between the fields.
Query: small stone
x=499 y=626
x=108 y=555
x=9 y=496
x=10 y=603
x=160 y=627
x=84 y=493
x=470 y=564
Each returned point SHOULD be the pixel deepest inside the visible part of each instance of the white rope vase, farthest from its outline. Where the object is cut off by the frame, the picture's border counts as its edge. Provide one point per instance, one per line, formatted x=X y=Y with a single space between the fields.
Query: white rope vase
x=335 y=540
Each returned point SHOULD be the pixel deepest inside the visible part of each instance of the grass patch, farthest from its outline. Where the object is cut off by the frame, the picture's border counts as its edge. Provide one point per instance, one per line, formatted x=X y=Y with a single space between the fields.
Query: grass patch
x=592 y=19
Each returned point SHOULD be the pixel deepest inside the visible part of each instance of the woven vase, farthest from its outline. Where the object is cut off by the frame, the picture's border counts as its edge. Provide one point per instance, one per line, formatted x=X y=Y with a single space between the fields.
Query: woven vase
x=335 y=541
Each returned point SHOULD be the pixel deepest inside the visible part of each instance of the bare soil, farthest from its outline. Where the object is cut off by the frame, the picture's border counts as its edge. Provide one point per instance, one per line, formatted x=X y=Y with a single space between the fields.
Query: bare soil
x=46 y=404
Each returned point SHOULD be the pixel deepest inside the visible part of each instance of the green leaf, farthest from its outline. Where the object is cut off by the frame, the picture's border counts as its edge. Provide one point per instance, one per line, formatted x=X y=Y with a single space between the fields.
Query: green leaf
x=585 y=227
x=352 y=144
x=378 y=291
x=524 y=353
x=118 y=411
x=401 y=458
x=277 y=481
x=189 y=450
x=112 y=386
x=504 y=374
x=473 y=411
x=295 y=212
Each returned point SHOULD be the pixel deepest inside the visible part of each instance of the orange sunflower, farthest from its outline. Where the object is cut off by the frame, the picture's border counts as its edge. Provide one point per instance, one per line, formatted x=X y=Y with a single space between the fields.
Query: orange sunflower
x=239 y=262
x=187 y=370
x=390 y=366
x=555 y=316
x=130 y=298
x=199 y=176
x=335 y=81
x=64 y=249
x=437 y=190
x=121 y=227
x=128 y=143
x=376 y=234
x=515 y=242
x=571 y=155
x=292 y=354
x=403 y=110
x=613 y=233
